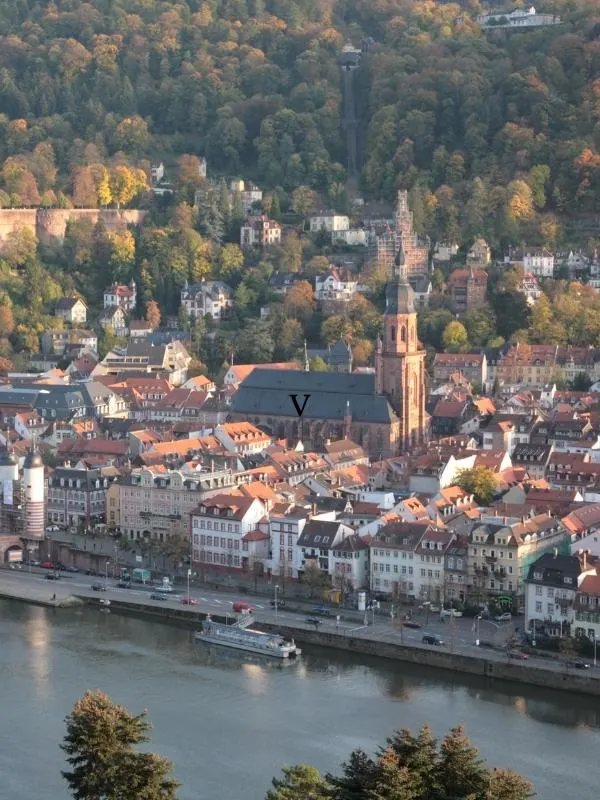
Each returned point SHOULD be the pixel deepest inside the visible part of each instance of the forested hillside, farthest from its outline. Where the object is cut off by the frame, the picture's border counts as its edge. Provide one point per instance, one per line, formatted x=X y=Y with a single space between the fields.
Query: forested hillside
x=491 y=127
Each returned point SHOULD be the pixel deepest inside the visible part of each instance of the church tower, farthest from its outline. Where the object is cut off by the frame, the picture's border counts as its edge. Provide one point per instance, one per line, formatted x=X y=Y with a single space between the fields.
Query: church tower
x=399 y=363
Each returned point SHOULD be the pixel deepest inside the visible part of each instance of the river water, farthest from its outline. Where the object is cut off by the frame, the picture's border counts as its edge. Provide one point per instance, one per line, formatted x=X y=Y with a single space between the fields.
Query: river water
x=229 y=721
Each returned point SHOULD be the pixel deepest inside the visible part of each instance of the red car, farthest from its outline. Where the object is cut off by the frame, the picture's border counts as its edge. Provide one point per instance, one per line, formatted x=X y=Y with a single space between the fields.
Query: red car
x=189 y=601
x=243 y=605
x=518 y=655
x=48 y=565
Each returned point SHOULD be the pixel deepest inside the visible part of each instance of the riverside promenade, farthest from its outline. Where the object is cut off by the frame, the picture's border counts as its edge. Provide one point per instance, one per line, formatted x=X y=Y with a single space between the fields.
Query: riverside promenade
x=381 y=638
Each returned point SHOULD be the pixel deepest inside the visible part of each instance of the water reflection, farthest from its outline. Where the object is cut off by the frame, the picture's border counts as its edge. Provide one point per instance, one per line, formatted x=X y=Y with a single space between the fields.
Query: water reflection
x=38 y=636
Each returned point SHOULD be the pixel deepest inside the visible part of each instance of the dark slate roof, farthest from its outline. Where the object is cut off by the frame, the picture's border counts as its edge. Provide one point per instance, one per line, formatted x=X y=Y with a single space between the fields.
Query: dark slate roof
x=339 y=353
x=267 y=392
x=319 y=533
x=554 y=568
x=19 y=397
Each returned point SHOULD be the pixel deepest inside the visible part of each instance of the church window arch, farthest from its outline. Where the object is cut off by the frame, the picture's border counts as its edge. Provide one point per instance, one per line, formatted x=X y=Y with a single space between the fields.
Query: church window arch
x=393 y=333
x=403 y=334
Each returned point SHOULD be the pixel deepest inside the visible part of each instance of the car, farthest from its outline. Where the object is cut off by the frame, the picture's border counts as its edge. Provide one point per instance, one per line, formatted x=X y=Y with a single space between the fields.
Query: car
x=506 y=617
x=34 y=563
x=158 y=596
x=60 y=565
x=98 y=587
x=410 y=623
x=381 y=597
x=518 y=655
x=124 y=585
x=314 y=621
x=48 y=565
x=71 y=568
x=451 y=612
x=189 y=601
x=280 y=603
x=164 y=588
x=52 y=576
x=578 y=663
x=433 y=639
x=91 y=572
x=323 y=611
x=243 y=605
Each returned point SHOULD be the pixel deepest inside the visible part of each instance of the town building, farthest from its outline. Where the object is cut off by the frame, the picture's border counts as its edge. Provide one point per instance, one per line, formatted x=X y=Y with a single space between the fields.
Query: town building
x=168 y=360
x=335 y=289
x=208 y=297
x=155 y=504
x=113 y=319
x=467 y=288
x=586 y=620
x=56 y=342
x=77 y=495
x=250 y=195
x=530 y=287
x=122 y=295
x=479 y=254
x=537 y=260
x=329 y=221
x=219 y=526
x=551 y=587
x=352 y=237
x=260 y=231
x=501 y=551
x=518 y=18
x=71 y=309
x=384 y=413
x=473 y=366
x=318 y=540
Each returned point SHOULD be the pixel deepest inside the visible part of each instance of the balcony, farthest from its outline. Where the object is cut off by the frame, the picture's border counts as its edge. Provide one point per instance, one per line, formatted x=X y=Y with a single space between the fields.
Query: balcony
x=491 y=559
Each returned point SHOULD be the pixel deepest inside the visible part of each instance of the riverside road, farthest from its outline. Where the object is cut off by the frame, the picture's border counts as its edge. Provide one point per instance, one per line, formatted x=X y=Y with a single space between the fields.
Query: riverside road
x=458 y=633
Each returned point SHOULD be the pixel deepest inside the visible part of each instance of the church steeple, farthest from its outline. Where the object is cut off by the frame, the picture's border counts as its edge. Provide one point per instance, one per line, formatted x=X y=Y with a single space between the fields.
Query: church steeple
x=399 y=294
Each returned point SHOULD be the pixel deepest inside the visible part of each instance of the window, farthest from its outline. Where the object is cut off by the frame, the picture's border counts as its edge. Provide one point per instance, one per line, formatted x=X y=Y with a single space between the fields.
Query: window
x=550 y=609
x=538 y=608
x=538 y=590
x=422 y=573
x=395 y=567
x=223 y=543
x=550 y=592
x=537 y=576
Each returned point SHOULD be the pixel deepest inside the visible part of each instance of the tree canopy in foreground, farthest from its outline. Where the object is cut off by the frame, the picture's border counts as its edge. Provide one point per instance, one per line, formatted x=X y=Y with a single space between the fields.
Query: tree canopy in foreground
x=407 y=767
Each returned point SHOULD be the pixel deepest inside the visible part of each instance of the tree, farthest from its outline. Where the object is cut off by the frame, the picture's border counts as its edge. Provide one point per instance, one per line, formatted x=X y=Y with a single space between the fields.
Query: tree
x=153 y=314
x=567 y=650
x=299 y=302
x=317 y=364
x=313 y=576
x=230 y=261
x=85 y=194
x=455 y=338
x=304 y=201
x=99 y=745
x=302 y=782
x=20 y=247
x=480 y=482
x=132 y=135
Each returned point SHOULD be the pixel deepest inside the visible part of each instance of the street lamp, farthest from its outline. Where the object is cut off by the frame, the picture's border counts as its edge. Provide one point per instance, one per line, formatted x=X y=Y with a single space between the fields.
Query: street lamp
x=533 y=634
x=106 y=574
x=276 y=589
x=189 y=575
x=476 y=625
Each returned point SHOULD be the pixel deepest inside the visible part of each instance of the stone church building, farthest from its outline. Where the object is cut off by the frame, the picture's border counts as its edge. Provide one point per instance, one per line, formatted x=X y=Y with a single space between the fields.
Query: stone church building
x=384 y=412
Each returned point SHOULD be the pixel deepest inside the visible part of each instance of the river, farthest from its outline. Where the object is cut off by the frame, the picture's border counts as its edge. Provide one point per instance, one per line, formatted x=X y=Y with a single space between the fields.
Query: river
x=229 y=722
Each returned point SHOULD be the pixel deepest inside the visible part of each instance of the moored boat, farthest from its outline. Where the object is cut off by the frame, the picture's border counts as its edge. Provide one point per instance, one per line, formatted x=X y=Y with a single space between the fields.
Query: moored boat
x=241 y=637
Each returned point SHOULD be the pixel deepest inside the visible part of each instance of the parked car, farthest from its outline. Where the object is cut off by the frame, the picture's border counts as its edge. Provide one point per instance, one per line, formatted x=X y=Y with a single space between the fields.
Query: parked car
x=314 y=621
x=48 y=565
x=98 y=587
x=451 y=612
x=410 y=623
x=52 y=576
x=280 y=603
x=91 y=572
x=124 y=585
x=506 y=617
x=34 y=563
x=381 y=597
x=158 y=596
x=189 y=601
x=578 y=663
x=433 y=639
x=243 y=605
x=518 y=655
x=164 y=587
x=323 y=611
x=71 y=568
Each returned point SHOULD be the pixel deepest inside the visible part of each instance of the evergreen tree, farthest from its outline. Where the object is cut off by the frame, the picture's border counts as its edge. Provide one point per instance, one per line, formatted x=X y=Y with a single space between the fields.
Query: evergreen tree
x=210 y=217
x=302 y=782
x=359 y=774
x=462 y=773
x=99 y=744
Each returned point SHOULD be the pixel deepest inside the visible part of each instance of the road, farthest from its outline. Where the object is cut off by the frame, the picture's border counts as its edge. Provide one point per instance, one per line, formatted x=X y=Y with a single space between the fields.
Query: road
x=458 y=634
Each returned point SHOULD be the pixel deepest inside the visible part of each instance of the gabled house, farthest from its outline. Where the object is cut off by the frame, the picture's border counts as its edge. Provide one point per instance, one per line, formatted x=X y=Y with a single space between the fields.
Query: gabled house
x=122 y=295
x=207 y=297
x=71 y=309
x=318 y=540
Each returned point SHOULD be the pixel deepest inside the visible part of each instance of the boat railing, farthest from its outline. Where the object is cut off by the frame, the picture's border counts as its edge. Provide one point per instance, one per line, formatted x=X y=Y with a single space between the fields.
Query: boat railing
x=244 y=622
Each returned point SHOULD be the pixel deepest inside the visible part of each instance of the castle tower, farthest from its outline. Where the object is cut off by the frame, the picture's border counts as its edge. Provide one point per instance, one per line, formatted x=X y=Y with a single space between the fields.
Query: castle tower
x=399 y=363
x=33 y=486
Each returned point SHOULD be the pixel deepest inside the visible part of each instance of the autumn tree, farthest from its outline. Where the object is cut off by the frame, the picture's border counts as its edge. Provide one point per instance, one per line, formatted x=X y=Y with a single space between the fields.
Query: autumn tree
x=100 y=745
x=189 y=175
x=480 y=482
x=230 y=261
x=455 y=338
x=299 y=302
x=153 y=314
x=7 y=320
x=132 y=135
x=84 y=188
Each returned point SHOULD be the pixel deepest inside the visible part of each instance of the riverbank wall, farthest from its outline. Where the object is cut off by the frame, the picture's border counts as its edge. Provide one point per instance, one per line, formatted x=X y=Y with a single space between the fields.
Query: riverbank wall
x=492 y=669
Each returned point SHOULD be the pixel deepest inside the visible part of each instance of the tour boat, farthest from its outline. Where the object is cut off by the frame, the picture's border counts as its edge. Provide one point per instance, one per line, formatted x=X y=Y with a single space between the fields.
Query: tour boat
x=241 y=637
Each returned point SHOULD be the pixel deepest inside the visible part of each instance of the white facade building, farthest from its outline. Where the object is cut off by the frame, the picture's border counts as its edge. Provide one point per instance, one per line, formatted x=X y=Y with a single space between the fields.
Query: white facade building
x=330 y=221
x=208 y=297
